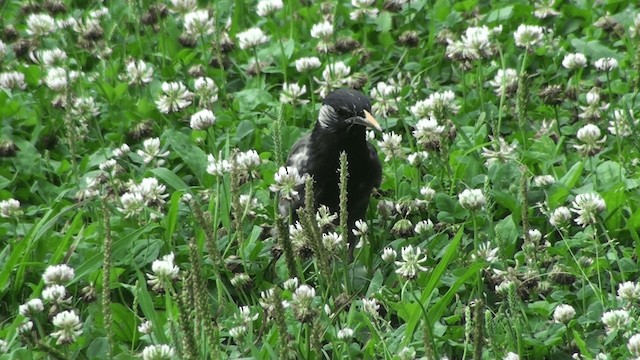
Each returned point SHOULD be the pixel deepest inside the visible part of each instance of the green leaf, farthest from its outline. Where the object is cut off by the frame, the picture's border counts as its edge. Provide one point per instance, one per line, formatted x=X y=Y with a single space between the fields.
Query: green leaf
x=192 y=155
x=500 y=15
x=244 y=129
x=594 y=49
x=383 y=22
x=559 y=192
x=429 y=289
x=170 y=178
x=250 y=99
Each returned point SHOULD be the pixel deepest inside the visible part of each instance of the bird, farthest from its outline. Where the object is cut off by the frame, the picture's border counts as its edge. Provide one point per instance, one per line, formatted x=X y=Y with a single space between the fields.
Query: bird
x=343 y=118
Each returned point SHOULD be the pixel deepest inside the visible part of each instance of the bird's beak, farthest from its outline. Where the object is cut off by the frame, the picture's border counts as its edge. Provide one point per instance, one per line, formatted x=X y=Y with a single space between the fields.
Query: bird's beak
x=368 y=120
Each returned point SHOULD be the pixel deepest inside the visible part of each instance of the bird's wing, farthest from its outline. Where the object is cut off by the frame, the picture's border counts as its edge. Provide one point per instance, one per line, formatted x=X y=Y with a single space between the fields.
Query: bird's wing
x=298 y=157
x=299 y=154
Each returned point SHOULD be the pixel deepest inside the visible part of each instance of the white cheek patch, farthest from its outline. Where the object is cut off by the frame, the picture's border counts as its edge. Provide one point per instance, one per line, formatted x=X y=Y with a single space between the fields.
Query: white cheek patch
x=327 y=116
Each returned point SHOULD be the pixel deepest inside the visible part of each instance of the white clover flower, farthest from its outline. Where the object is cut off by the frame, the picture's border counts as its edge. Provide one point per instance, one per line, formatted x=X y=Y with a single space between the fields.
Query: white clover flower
x=207 y=90
x=56 y=79
x=244 y=315
x=528 y=36
x=238 y=332
x=55 y=294
x=292 y=93
x=385 y=97
x=591 y=139
x=563 y=313
x=248 y=163
x=138 y=72
x=472 y=199
x=68 y=327
x=268 y=7
x=407 y=353
x=304 y=293
x=198 y=23
x=635 y=28
x=202 y=120
x=302 y=302
x=31 y=308
x=486 y=253
x=323 y=30
x=332 y=241
x=151 y=151
x=84 y=108
x=501 y=153
x=622 y=123
x=120 y=152
x=307 y=64
x=345 y=334
x=40 y=25
x=240 y=279
x=391 y=145
x=363 y=8
x=615 y=320
x=164 y=272
x=4 y=347
x=634 y=345
x=436 y=105
x=158 y=352
x=151 y=190
x=58 y=274
x=587 y=206
x=291 y=284
x=370 y=306
x=361 y=228
x=183 y=6
x=217 y=167
x=99 y=12
x=544 y=9
x=573 y=61
x=12 y=80
x=10 y=208
x=411 y=263
x=534 y=235
x=286 y=181
x=146 y=327
x=422 y=227
x=333 y=76
x=175 y=97
x=131 y=204
x=25 y=328
x=3 y=49
x=606 y=64
x=511 y=356
x=52 y=57
x=252 y=38
x=417 y=158
x=389 y=255
x=427 y=131
x=428 y=193
x=474 y=44
x=505 y=81
x=544 y=180
x=560 y=216
x=629 y=291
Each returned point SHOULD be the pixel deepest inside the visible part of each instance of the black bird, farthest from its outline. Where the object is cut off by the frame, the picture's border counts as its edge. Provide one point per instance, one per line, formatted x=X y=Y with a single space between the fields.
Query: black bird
x=342 y=122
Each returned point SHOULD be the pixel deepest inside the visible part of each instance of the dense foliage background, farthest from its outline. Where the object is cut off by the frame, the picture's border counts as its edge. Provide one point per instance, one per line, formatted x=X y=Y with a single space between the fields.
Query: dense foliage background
x=141 y=149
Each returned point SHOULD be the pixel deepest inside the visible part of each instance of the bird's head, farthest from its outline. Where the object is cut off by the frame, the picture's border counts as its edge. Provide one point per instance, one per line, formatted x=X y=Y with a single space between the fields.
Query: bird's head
x=345 y=110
